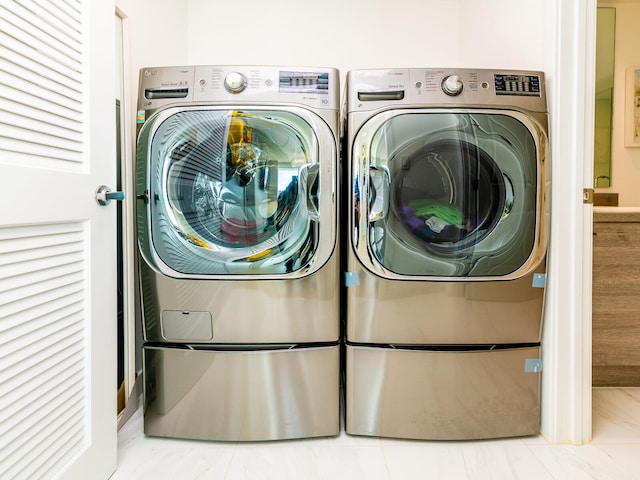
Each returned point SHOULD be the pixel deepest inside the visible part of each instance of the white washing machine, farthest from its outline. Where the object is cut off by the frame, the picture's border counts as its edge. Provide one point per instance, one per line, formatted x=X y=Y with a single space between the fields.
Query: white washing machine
x=237 y=232
x=448 y=219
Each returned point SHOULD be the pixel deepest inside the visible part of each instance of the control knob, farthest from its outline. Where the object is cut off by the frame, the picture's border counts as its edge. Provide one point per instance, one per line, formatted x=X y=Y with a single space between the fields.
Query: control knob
x=235 y=82
x=452 y=85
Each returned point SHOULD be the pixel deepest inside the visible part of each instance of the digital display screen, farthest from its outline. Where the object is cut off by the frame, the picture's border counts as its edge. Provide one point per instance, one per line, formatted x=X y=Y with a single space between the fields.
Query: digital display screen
x=302 y=82
x=527 y=85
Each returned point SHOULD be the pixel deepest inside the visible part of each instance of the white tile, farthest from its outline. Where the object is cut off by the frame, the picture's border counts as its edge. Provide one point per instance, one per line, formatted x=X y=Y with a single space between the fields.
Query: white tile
x=616 y=415
x=504 y=461
x=425 y=460
x=584 y=462
x=308 y=462
x=625 y=457
x=614 y=454
x=161 y=459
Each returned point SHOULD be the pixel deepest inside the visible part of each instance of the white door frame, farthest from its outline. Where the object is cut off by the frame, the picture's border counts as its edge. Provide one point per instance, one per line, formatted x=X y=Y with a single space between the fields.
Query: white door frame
x=129 y=246
x=566 y=381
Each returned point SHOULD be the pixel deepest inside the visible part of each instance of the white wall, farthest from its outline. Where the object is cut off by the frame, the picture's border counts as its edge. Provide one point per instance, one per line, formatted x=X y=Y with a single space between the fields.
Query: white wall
x=367 y=33
x=157 y=31
x=625 y=171
x=155 y=34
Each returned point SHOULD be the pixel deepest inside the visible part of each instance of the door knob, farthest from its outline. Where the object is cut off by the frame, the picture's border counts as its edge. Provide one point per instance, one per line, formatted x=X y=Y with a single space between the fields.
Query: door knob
x=104 y=195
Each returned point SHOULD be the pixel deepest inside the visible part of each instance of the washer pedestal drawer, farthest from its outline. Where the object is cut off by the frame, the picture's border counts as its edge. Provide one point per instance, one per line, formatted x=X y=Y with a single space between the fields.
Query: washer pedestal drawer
x=442 y=395
x=241 y=395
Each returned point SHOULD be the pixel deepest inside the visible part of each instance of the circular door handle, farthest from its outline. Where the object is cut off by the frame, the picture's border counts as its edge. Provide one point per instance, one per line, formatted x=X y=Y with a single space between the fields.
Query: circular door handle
x=104 y=195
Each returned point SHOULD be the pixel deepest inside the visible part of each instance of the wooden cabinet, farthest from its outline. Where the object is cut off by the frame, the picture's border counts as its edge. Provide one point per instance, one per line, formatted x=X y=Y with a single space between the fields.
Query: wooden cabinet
x=616 y=299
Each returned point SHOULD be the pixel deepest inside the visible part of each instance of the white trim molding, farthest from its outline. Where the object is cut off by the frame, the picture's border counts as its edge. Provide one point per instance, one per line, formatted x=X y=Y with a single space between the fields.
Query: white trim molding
x=566 y=379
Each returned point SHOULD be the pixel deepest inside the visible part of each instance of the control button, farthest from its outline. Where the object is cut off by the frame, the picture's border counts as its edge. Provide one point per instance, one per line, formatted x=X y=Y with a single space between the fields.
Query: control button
x=452 y=85
x=235 y=82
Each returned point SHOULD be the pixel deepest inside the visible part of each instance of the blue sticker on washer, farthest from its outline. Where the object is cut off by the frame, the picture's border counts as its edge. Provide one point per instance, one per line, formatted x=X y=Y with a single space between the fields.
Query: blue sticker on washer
x=532 y=365
x=539 y=280
x=140 y=117
x=351 y=279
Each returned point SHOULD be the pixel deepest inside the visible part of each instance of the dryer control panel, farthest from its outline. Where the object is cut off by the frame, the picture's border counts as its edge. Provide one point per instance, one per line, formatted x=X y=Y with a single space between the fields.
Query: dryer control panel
x=375 y=89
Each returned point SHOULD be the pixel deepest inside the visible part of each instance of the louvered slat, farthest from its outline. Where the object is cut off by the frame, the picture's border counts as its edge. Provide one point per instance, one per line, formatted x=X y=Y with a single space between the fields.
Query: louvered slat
x=43 y=348
x=51 y=18
x=41 y=84
x=17 y=53
x=22 y=23
x=34 y=83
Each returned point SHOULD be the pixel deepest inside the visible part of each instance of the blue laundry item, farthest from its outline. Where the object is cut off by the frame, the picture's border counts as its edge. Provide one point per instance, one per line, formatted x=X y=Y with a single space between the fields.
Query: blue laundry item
x=417 y=225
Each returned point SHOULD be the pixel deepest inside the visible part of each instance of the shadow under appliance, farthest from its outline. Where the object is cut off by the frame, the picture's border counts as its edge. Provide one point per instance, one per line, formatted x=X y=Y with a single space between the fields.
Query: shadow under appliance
x=448 y=218
x=237 y=233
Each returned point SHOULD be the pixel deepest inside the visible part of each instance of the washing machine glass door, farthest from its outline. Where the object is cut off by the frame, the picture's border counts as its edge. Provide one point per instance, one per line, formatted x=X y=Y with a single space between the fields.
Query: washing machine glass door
x=236 y=192
x=450 y=194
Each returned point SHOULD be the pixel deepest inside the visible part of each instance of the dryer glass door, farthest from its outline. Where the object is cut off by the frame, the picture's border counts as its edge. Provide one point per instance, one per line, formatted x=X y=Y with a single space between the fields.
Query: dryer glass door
x=235 y=192
x=450 y=194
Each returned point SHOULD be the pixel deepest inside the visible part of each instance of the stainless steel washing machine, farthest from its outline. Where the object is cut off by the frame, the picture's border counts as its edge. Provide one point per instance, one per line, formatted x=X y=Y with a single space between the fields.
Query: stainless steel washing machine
x=237 y=193
x=448 y=217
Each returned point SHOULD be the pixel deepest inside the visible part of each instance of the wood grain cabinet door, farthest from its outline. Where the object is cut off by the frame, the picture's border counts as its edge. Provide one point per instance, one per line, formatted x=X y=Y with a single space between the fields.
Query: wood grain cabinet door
x=616 y=304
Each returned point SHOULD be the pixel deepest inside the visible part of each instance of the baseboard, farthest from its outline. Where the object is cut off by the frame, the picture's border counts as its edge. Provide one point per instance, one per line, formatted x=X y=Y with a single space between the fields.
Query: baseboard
x=132 y=402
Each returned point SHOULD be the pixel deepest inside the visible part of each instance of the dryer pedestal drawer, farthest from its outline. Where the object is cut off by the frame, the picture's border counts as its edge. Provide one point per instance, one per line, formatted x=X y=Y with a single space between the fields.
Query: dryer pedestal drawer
x=442 y=395
x=241 y=395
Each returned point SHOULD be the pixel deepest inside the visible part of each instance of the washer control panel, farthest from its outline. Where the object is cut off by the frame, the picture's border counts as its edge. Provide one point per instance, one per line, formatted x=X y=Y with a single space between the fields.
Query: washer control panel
x=304 y=82
x=309 y=86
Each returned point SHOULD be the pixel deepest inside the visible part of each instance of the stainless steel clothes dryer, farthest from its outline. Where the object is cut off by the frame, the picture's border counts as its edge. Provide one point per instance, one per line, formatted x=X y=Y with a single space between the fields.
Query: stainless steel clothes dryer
x=237 y=233
x=448 y=219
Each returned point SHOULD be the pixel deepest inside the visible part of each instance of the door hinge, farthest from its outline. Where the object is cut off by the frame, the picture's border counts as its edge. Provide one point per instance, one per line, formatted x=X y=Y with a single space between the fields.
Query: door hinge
x=587 y=196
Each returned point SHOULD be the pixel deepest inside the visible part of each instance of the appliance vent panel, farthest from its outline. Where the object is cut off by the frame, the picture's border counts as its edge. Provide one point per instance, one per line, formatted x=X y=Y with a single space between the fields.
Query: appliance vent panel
x=43 y=348
x=41 y=84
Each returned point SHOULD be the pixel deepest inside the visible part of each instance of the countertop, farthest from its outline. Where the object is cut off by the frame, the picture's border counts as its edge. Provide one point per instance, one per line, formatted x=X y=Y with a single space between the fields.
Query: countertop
x=616 y=214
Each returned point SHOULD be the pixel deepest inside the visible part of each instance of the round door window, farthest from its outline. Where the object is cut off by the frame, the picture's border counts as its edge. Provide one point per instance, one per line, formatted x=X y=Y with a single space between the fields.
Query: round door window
x=234 y=192
x=233 y=198
x=446 y=194
x=449 y=194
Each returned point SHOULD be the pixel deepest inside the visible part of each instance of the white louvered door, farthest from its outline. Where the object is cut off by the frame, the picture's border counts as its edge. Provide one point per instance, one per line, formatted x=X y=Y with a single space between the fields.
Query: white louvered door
x=57 y=245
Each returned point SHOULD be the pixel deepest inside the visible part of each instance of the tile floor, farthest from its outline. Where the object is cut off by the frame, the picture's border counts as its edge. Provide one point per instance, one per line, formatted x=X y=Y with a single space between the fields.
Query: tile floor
x=614 y=454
